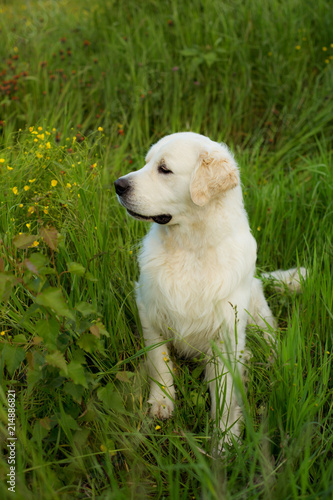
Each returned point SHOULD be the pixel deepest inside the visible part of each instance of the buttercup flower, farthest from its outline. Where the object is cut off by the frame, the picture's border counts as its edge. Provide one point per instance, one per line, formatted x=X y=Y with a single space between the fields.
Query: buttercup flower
x=54 y=183
x=15 y=190
x=2 y=160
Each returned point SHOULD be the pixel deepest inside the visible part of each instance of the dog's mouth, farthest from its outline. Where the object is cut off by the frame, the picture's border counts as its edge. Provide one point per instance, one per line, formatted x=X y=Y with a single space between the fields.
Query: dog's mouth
x=159 y=219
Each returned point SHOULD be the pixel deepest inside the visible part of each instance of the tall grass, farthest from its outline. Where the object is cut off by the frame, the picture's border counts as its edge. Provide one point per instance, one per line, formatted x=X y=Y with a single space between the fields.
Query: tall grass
x=102 y=81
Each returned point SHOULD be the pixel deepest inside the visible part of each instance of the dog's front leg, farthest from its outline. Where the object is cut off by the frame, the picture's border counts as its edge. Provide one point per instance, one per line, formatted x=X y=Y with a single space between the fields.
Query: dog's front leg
x=160 y=368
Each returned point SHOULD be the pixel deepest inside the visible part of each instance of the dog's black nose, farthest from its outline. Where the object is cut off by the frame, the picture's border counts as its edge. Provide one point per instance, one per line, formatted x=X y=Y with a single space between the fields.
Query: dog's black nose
x=122 y=185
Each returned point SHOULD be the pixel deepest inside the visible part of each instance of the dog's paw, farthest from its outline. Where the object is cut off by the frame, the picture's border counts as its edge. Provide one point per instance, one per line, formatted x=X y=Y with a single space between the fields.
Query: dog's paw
x=161 y=409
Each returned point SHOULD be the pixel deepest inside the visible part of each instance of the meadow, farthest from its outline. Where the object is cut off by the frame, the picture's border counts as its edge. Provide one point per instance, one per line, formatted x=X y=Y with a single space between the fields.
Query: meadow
x=85 y=88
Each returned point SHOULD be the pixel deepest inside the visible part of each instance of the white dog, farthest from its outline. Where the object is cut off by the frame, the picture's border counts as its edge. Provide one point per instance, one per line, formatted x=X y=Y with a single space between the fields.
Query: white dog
x=197 y=265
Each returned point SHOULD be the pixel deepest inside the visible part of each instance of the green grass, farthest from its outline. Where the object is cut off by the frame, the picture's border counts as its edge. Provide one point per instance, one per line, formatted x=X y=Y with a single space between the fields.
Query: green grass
x=253 y=74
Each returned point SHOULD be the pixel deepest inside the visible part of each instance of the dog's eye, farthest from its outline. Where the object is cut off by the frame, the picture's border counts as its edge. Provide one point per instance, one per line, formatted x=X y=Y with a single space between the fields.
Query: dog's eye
x=163 y=169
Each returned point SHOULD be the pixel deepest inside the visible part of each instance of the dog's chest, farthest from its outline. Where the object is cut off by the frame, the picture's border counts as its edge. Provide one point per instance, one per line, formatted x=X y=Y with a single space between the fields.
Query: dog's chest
x=182 y=291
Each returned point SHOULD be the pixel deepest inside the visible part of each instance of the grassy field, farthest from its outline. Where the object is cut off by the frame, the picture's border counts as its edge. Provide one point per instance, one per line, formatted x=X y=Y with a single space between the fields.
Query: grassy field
x=85 y=88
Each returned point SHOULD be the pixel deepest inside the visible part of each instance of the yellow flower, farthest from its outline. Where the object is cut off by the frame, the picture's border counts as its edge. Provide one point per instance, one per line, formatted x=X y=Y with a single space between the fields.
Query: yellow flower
x=3 y=332
x=48 y=145
x=31 y=210
x=26 y=188
x=15 y=190
x=157 y=428
x=259 y=228
x=40 y=128
x=9 y=168
x=35 y=244
x=21 y=205
x=2 y=160
x=35 y=140
x=32 y=180
x=298 y=47
x=28 y=226
x=54 y=183
x=45 y=211
x=324 y=49
x=31 y=129
x=100 y=129
x=40 y=136
x=68 y=185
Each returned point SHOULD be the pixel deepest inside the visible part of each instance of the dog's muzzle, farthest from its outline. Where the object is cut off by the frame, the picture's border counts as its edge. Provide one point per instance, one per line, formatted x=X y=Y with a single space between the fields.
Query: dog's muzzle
x=123 y=187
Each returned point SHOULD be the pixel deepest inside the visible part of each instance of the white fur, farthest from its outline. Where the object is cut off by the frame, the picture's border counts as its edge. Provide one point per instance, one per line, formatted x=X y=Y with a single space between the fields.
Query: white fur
x=196 y=284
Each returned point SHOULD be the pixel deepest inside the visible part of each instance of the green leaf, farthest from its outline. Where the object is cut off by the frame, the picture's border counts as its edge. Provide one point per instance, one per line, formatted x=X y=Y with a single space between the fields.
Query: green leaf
x=90 y=277
x=81 y=436
x=124 y=376
x=29 y=265
x=189 y=52
x=57 y=360
x=22 y=241
x=33 y=377
x=88 y=343
x=37 y=264
x=67 y=422
x=7 y=282
x=111 y=398
x=74 y=390
x=77 y=374
x=13 y=357
x=210 y=58
x=20 y=339
x=98 y=329
x=48 y=329
x=76 y=268
x=39 y=260
x=53 y=298
x=85 y=308
x=50 y=236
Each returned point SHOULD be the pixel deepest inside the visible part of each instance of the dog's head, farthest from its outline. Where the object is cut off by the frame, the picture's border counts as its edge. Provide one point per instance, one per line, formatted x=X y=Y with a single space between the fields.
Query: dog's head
x=183 y=171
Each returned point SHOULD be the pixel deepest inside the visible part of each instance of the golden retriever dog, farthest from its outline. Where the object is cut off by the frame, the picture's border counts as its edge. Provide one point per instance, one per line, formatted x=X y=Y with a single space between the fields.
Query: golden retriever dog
x=196 y=287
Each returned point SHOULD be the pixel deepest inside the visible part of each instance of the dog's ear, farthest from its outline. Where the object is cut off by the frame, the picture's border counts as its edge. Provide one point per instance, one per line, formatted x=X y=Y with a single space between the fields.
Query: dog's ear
x=216 y=173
